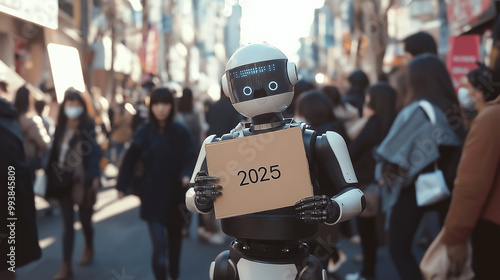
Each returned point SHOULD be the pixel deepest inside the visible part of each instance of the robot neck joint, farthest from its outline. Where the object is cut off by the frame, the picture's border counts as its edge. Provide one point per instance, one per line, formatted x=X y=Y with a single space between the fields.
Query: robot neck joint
x=267 y=121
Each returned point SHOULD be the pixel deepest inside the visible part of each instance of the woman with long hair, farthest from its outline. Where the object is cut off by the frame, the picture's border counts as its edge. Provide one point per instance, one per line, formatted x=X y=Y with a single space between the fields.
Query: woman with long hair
x=73 y=174
x=35 y=137
x=166 y=150
x=415 y=146
x=380 y=111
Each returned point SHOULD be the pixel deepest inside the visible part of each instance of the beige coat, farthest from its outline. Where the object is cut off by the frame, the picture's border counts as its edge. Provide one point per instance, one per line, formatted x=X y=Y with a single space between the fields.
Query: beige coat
x=36 y=139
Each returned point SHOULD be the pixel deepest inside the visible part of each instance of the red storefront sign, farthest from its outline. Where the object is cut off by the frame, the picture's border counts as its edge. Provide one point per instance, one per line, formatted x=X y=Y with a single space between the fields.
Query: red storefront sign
x=148 y=53
x=462 y=57
x=463 y=15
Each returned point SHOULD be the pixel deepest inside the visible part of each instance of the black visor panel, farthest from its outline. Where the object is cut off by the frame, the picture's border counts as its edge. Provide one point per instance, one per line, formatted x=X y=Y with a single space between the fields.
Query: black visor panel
x=258 y=80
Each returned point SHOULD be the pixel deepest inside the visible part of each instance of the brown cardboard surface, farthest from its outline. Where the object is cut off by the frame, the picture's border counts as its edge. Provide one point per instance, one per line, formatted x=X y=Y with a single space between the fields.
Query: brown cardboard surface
x=259 y=156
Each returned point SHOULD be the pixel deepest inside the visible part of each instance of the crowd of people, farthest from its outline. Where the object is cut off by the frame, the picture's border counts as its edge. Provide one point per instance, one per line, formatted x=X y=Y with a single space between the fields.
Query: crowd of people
x=153 y=136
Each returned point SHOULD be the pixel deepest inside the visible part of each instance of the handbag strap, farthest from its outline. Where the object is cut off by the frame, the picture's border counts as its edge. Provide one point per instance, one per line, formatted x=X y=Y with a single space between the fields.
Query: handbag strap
x=429 y=111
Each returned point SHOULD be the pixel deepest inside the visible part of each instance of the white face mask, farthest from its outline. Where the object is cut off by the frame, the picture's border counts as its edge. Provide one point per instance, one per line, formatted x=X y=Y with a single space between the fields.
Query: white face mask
x=299 y=119
x=73 y=112
x=464 y=98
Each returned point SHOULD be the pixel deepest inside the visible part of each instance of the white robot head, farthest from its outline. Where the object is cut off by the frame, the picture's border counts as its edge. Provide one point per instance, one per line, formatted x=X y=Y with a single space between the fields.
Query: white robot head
x=259 y=79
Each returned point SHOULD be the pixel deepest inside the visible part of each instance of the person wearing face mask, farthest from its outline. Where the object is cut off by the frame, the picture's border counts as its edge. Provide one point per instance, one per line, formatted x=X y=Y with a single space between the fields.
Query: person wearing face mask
x=475 y=91
x=475 y=205
x=167 y=152
x=73 y=174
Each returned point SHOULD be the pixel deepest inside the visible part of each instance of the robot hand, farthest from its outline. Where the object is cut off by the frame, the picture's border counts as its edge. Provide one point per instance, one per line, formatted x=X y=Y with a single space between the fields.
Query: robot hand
x=206 y=192
x=316 y=209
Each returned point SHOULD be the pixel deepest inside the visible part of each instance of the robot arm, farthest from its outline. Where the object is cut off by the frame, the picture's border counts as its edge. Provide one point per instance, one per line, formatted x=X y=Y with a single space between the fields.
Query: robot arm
x=349 y=201
x=200 y=197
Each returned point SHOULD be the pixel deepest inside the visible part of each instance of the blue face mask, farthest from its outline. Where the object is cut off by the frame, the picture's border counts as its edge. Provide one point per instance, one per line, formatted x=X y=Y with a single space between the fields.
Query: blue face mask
x=73 y=112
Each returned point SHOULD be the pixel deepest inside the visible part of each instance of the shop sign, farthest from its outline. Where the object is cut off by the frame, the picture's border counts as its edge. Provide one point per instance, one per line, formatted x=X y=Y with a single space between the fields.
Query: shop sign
x=463 y=15
x=462 y=57
x=41 y=12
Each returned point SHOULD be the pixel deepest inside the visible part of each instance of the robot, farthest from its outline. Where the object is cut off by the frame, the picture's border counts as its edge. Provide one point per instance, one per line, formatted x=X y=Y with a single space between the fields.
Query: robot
x=259 y=81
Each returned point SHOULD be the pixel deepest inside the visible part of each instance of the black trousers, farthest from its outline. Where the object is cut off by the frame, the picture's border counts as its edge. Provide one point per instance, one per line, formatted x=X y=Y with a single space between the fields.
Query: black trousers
x=367 y=228
x=68 y=218
x=403 y=224
x=159 y=233
x=486 y=250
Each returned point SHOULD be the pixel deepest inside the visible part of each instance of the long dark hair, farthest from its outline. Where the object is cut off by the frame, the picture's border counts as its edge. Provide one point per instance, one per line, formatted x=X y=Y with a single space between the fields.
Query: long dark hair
x=333 y=93
x=315 y=107
x=428 y=79
x=22 y=101
x=481 y=79
x=161 y=95
x=383 y=103
x=186 y=101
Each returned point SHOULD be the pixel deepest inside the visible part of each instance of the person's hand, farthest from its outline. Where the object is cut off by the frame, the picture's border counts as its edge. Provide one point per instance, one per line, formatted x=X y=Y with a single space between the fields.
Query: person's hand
x=206 y=191
x=121 y=195
x=185 y=181
x=316 y=209
x=457 y=254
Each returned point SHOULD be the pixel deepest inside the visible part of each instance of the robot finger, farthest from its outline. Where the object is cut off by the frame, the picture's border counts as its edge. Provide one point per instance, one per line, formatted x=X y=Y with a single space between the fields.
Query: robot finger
x=216 y=187
x=207 y=187
x=313 y=213
x=211 y=194
x=201 y=180
x=311 y=205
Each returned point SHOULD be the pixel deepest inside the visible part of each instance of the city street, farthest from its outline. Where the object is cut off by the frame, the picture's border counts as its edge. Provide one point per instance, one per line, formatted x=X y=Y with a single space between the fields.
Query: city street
x=123 y=247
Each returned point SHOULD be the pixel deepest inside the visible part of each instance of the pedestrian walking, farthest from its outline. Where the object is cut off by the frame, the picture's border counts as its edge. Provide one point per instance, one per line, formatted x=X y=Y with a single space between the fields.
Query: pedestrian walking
x=167 y=153
x=73 y=175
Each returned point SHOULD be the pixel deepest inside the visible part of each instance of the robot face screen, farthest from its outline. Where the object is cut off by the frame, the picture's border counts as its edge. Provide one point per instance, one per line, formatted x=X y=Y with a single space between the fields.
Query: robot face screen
x=258 y=80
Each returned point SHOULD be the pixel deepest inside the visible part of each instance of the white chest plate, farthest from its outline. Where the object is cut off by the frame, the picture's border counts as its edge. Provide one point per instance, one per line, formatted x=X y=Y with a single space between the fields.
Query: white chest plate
x=248 y=270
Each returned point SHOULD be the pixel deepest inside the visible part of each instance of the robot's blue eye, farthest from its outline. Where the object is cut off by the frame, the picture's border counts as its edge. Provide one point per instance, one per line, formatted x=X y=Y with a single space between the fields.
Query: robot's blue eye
x=273 y=85
x=247 y=90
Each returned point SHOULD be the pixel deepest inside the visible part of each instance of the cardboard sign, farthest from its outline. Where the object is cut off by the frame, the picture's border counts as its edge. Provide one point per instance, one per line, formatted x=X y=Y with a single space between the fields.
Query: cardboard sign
x=260 y=172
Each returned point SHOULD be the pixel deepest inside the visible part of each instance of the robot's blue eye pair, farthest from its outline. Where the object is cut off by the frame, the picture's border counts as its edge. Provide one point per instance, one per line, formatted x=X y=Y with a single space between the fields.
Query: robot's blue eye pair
x=247 y=90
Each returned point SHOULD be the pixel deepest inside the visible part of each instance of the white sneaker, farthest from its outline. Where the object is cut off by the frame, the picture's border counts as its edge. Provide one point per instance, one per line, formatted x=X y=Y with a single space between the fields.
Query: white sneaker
x=332 y=266
x=355 y=276
x=355 y=239
x=217 y=239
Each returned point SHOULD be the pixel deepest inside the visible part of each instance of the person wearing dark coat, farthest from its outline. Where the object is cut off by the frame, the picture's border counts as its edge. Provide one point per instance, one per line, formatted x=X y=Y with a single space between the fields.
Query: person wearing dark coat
x=221 y=116
x=355 y=94
x=73 y=175
x=300 y=87
x=13 y=162
x=380 y=110
x=315 y=108
x=167 y=152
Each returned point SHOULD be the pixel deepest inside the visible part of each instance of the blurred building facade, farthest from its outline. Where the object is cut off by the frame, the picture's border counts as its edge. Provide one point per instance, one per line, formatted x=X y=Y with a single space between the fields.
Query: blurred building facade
x=367 y=34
